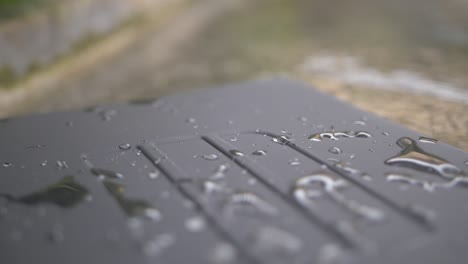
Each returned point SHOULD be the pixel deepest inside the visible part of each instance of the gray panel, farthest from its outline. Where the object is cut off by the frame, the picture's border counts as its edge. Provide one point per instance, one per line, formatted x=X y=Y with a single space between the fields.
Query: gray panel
x=261 y=172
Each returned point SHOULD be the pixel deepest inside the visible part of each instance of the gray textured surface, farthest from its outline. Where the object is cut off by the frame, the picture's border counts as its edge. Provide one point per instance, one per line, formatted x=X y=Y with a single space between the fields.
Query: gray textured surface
x=251 y=205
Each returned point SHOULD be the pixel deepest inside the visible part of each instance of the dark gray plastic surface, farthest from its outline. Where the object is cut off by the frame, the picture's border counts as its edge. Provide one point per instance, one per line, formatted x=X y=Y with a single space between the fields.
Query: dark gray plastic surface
x=229 y=175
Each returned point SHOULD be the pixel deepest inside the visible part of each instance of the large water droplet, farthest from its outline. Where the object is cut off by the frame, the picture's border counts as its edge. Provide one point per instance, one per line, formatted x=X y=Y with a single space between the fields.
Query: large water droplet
x=259 y=153
x=125 y=146
x=427 y=185
x=414 y=157
x=337 y=135
x=308 y=189
x=65 y=193
x=427 y=140
x=335 y=150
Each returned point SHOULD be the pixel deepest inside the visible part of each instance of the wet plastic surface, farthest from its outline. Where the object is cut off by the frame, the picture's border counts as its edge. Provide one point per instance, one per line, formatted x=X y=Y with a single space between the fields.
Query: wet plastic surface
x=261 y=172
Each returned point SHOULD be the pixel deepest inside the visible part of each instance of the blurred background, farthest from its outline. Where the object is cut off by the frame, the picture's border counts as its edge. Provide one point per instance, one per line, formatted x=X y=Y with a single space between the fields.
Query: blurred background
x=404 y=60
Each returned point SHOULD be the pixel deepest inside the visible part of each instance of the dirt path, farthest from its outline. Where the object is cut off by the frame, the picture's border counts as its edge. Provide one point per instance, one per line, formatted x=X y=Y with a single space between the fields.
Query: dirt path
x=207 y=44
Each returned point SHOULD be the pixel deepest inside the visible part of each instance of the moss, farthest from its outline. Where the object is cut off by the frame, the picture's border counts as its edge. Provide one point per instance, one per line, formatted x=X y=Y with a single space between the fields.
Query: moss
x=13 y=8
x=7 y=76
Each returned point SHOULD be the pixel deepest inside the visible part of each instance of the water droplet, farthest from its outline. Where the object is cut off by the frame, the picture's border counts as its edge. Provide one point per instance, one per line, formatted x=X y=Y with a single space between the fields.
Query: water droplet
x=210 y=157
x=125 y=146
x=237 y=153
x=153 y=175
x=295 y=162
x=427 y=185
x=246 y=200
x=359 y=122
x=211 y=187
x=427 y=140
x=219 y=172
x=346 y=168
x=234 y=139
x=424 y=214
x=385 y=133
x=331 y=254
x=152 y=214
x=44 y=163
x=61 y=164
x=335 y=150
x=223 y=253
x=281 y=139
x=102 y=174
x=252 y=181
x=3 y=211
x=259 y=153
x=337 y=135
x=414 y=157
x=56 y=235
x=106 y=115
x=35 y=146
x=269 y=240
x=191 y=120
x=7 y=164
x=195 y=224
x=309 y=188
x=157 y=245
